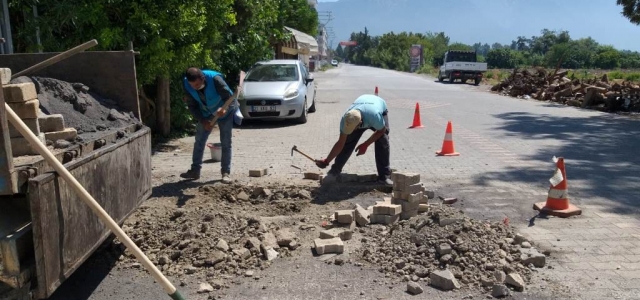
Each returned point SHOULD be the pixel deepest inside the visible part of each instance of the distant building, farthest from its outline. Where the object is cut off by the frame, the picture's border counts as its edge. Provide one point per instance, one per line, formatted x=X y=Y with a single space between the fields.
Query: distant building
x=313 y=3
x=323 y=41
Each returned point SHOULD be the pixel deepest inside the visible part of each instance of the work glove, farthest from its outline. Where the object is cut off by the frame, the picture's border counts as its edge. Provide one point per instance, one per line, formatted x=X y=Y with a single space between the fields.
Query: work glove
x=322 y=163
x=362 y=149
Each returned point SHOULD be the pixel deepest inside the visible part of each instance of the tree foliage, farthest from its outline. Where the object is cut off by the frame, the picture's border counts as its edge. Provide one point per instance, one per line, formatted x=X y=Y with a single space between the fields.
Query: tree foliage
x=631 y=10
x=171 y=35
x=548 y=49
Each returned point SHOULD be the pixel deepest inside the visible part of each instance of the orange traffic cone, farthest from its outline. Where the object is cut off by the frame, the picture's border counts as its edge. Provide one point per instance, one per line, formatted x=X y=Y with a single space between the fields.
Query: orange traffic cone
x=416 y=118
x=447 y=145
x=376 y=91
x=557 y=202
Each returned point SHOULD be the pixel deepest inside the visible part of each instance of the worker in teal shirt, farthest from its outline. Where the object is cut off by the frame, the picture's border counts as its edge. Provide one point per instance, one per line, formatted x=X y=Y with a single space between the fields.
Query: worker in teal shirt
x=368 y=112
x=205 y=94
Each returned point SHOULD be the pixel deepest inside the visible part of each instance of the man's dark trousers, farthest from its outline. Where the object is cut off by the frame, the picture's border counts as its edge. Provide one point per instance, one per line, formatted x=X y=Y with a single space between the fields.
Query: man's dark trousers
x=382 y=148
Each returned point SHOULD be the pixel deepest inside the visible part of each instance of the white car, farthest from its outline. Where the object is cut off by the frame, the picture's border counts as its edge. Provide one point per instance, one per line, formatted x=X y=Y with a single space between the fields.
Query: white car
x=278 y=89
x=334 y=63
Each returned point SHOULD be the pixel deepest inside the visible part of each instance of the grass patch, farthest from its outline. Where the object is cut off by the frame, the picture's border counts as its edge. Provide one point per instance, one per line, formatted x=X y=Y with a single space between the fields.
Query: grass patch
x=326 y=67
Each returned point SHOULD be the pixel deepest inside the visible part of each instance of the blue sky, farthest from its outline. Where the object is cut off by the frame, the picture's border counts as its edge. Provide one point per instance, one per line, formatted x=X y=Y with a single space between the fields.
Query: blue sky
x=489 y=21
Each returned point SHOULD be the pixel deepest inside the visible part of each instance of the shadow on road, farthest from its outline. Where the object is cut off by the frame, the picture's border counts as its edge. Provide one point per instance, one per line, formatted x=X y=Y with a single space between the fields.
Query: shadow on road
x=600 y=151
x=176 y=189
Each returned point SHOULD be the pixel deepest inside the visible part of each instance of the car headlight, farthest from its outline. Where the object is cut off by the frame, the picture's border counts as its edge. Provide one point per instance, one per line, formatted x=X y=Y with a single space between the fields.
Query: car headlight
x=290 y=94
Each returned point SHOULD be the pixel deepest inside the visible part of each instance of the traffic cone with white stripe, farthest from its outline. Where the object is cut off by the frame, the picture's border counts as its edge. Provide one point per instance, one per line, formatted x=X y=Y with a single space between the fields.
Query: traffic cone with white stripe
x=376 y=91
x=557 y=200
x=447 y=145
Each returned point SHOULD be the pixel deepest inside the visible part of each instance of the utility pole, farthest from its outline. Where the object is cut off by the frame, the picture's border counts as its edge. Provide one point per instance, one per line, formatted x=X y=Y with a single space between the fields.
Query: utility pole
x=324 y=17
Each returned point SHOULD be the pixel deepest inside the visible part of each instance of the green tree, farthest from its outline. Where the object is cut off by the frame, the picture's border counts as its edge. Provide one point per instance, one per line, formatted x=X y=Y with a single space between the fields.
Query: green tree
x=460 y=46
x=631 y=10
x=607 y=58
x=339 y=52
x=503 y=58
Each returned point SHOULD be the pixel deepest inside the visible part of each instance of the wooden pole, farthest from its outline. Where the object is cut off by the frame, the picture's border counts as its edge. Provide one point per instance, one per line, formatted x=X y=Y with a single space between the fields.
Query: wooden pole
x=92 y=203
x=55 y=59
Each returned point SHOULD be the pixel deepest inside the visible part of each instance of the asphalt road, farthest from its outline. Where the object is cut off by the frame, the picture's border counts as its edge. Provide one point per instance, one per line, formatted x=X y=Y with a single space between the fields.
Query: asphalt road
x=506 y=148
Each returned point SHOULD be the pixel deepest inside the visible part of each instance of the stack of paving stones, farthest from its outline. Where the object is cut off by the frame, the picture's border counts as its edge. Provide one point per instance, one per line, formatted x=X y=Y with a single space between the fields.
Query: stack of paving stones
x=407 y=192
x=23 y=100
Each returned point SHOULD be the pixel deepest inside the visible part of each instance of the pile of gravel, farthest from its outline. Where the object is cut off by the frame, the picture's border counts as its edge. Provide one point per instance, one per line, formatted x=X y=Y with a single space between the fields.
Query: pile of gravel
x=81 y=108
x=476 y=253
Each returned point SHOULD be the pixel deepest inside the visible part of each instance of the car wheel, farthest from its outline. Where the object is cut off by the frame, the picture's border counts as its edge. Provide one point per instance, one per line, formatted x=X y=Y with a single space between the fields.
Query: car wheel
x=303 y=118
x=312 y=109
x=477 y=82
x=440 y=77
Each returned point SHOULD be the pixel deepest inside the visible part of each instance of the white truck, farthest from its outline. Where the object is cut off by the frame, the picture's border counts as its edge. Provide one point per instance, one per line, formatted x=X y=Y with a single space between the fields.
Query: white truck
x=461 y=65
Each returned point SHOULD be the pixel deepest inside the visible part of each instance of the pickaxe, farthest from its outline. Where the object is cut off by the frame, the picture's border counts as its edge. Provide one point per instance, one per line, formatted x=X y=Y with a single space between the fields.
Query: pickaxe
x=295 y=148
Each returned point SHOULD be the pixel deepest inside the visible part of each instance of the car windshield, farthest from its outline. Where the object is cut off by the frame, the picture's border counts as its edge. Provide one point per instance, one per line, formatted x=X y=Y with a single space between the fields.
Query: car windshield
x=275 y=72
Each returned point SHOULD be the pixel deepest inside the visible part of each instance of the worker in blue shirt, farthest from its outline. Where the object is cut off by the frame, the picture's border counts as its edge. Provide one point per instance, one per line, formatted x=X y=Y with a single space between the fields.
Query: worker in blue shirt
x=367 y=112
x=205 y=94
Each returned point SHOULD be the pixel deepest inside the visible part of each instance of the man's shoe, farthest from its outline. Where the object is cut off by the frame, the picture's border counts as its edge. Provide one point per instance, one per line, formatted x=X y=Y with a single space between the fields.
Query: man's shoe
x=191 y=174
x=226 y=179
x=386 y=181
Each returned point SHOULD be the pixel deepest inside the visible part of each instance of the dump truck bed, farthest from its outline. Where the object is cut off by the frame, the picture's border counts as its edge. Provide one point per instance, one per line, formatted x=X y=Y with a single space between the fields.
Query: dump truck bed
x=50 y=231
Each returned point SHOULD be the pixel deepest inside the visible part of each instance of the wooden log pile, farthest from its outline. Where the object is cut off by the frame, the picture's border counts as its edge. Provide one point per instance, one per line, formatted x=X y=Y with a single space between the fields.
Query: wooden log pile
x=595 y=93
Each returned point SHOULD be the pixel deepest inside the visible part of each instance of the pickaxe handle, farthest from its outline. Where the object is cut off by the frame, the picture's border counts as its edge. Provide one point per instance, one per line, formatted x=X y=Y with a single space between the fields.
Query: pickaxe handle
x=304 y=154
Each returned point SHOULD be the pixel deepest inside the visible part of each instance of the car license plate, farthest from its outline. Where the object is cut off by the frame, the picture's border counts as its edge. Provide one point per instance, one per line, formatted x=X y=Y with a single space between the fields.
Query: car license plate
x=263 y=108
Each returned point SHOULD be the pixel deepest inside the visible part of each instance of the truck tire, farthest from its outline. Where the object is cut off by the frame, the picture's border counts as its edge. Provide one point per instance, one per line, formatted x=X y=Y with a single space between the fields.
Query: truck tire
x=477 y=82
x=451 y=79
x=464 y=80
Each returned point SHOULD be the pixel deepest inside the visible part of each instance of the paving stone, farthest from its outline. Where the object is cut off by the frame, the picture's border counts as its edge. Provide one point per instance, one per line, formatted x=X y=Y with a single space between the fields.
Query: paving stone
x=26 y=110
x=414 y=288
x=449 y=201
x=384 y=219
x=344 y=216
x=242 y=196
x=51 y=123
x=68 y=134
x=342 y=233
x=415 y=198
x=5 y=75
x=312 y=175
x=362 y=215
x=444 y=280
x=387 y=209
x=326 y=246
x=257 y=173
x=444 y=221
x=19 y=92
x=32 y=124
x=408 y=214
x=20 y=146
x=423 y=208
x=408 y=189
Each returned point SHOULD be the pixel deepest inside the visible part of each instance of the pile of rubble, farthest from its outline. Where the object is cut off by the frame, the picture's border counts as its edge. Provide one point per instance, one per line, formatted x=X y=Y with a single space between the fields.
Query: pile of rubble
x=211 y=238
x=449 y=251
x=596 y=93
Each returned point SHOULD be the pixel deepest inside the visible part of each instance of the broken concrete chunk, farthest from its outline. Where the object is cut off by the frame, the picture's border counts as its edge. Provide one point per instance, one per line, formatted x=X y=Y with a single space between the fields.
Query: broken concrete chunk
x=500 y=276
x=270 y=241
x=444 y=280
x=444 y=221
x=515 y=280
x=205 y=288
x=499 y=290
x=5 y=75
x=344 y=216
x=242 y=196
x=284 y=237
x=533 y=257
x=414 y=288
x=243 y=253
x=325 y=246
x=519 y=238
x=423 y=207
x=222 y=245
x=449 y=201
x=215 y=257
x=362 y=215
x=342 y=233
x=270 y=253
x=253 y=243
x=444 y=249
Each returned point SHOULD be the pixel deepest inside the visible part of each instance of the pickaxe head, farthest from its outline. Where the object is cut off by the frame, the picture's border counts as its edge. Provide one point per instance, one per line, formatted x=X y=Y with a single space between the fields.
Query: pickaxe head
x=294 y=148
